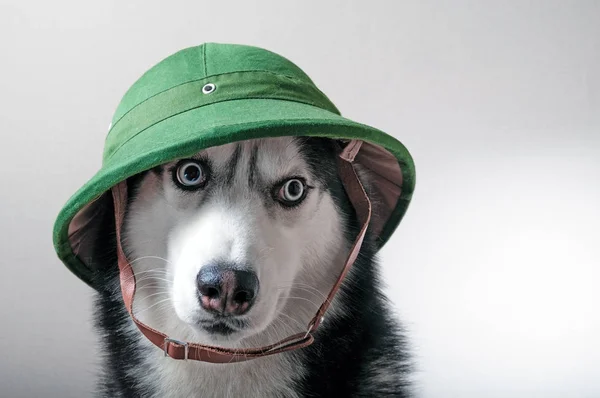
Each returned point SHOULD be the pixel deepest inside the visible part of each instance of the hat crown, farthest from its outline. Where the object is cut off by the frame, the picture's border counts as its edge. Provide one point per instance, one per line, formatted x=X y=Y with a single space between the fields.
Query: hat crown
x=199 y=62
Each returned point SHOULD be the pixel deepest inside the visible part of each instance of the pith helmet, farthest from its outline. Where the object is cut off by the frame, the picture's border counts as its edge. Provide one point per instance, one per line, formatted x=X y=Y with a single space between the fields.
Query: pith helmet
x=214 y=94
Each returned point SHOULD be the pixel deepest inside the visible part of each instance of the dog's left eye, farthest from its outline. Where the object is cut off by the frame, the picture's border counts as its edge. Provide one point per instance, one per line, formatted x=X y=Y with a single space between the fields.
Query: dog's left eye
x=190 y=174
x=292 y=192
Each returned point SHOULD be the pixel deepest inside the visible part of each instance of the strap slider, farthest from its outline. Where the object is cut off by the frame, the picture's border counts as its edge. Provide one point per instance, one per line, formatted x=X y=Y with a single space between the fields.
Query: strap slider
x=182 y=343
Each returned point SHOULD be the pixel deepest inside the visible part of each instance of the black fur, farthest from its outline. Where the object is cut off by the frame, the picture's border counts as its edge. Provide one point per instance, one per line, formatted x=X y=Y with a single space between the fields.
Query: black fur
x=253 y=166
x=339 y=362
x=233 y=162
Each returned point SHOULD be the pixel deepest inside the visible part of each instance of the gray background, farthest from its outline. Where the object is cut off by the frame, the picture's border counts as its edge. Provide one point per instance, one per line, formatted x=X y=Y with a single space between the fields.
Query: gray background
x=495 y=268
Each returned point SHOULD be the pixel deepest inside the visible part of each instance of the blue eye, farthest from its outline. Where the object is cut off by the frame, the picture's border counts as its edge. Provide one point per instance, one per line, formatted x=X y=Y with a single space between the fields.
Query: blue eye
x=292 y=192
x=190 y=174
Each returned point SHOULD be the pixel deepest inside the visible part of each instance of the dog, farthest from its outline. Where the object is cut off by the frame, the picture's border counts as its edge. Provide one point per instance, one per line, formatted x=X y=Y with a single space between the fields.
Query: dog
x=237 y=247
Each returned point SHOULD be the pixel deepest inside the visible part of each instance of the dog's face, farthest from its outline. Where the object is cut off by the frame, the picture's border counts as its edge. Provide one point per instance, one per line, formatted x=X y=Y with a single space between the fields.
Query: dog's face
x=224 y=243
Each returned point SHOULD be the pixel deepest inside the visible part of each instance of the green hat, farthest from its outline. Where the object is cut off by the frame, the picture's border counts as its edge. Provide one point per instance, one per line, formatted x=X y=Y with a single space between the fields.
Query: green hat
x=214 y=94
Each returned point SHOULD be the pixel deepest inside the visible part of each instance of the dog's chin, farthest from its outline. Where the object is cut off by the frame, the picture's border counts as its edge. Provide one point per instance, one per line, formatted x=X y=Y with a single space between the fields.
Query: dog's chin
x=218 y=333
x=221 y=331
x=224 y=330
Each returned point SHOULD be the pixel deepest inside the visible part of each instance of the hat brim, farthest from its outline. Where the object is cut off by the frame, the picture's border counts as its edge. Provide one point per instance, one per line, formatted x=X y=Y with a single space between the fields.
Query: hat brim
x=221 y=123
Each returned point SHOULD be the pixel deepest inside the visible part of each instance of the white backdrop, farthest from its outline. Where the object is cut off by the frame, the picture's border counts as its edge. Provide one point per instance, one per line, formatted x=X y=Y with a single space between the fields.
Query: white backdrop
x=494 y=270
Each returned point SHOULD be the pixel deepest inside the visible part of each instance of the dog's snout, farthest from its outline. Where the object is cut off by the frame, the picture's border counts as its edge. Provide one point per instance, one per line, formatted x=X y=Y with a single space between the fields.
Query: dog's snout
x=226 y=291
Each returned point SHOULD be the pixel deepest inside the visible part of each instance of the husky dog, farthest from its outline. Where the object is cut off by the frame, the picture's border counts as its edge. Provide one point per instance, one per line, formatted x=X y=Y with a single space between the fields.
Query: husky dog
x=237 y=247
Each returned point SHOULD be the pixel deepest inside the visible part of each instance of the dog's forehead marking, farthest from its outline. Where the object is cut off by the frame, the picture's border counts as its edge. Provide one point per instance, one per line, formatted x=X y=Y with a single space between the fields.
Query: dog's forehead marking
x=265 y=159
x=280 y=157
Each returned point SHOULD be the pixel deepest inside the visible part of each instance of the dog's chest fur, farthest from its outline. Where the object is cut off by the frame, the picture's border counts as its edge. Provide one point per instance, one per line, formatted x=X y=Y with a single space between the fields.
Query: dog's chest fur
x=263 y=377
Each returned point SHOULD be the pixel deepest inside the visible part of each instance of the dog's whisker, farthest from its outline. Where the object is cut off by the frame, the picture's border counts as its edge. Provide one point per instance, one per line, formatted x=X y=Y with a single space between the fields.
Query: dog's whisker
x=151 y=272
x=305 y=288
x=147 y=257
x=314 y=293
x=304 y=299
x=154 y=270
x=149 y=278
x=150 y=287
x=273 y=331
x=281 y=313
x=136 y=274
x=154 y=294
x=281 y=327
x=153 y=282
x=164 y=301
x=295 y=283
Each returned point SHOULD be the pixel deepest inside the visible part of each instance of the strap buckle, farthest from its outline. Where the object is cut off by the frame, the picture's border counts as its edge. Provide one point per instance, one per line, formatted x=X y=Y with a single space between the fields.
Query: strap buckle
x=185 y=345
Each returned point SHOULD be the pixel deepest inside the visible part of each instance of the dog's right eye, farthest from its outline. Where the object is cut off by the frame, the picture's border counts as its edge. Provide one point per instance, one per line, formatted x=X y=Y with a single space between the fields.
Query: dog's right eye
x=190 y=174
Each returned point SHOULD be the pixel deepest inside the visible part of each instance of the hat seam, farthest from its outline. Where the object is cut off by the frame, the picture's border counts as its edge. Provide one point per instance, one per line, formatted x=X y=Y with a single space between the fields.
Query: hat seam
x=208 y=77
x=204 y=58
x=201 y=106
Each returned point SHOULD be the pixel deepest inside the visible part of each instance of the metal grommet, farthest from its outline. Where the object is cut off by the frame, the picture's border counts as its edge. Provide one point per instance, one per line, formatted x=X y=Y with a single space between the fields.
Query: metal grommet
x=208 y=88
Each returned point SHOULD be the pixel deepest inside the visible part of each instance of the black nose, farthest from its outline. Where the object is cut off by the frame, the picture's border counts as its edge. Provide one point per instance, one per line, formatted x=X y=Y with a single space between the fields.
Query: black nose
x=226 y=291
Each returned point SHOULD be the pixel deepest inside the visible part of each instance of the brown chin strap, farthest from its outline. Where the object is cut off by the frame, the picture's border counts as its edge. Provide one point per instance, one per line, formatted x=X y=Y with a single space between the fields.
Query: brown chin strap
x=183 y=350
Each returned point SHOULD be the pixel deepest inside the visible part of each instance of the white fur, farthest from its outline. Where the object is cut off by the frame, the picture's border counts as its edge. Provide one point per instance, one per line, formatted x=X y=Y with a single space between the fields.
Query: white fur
x=296 y=254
